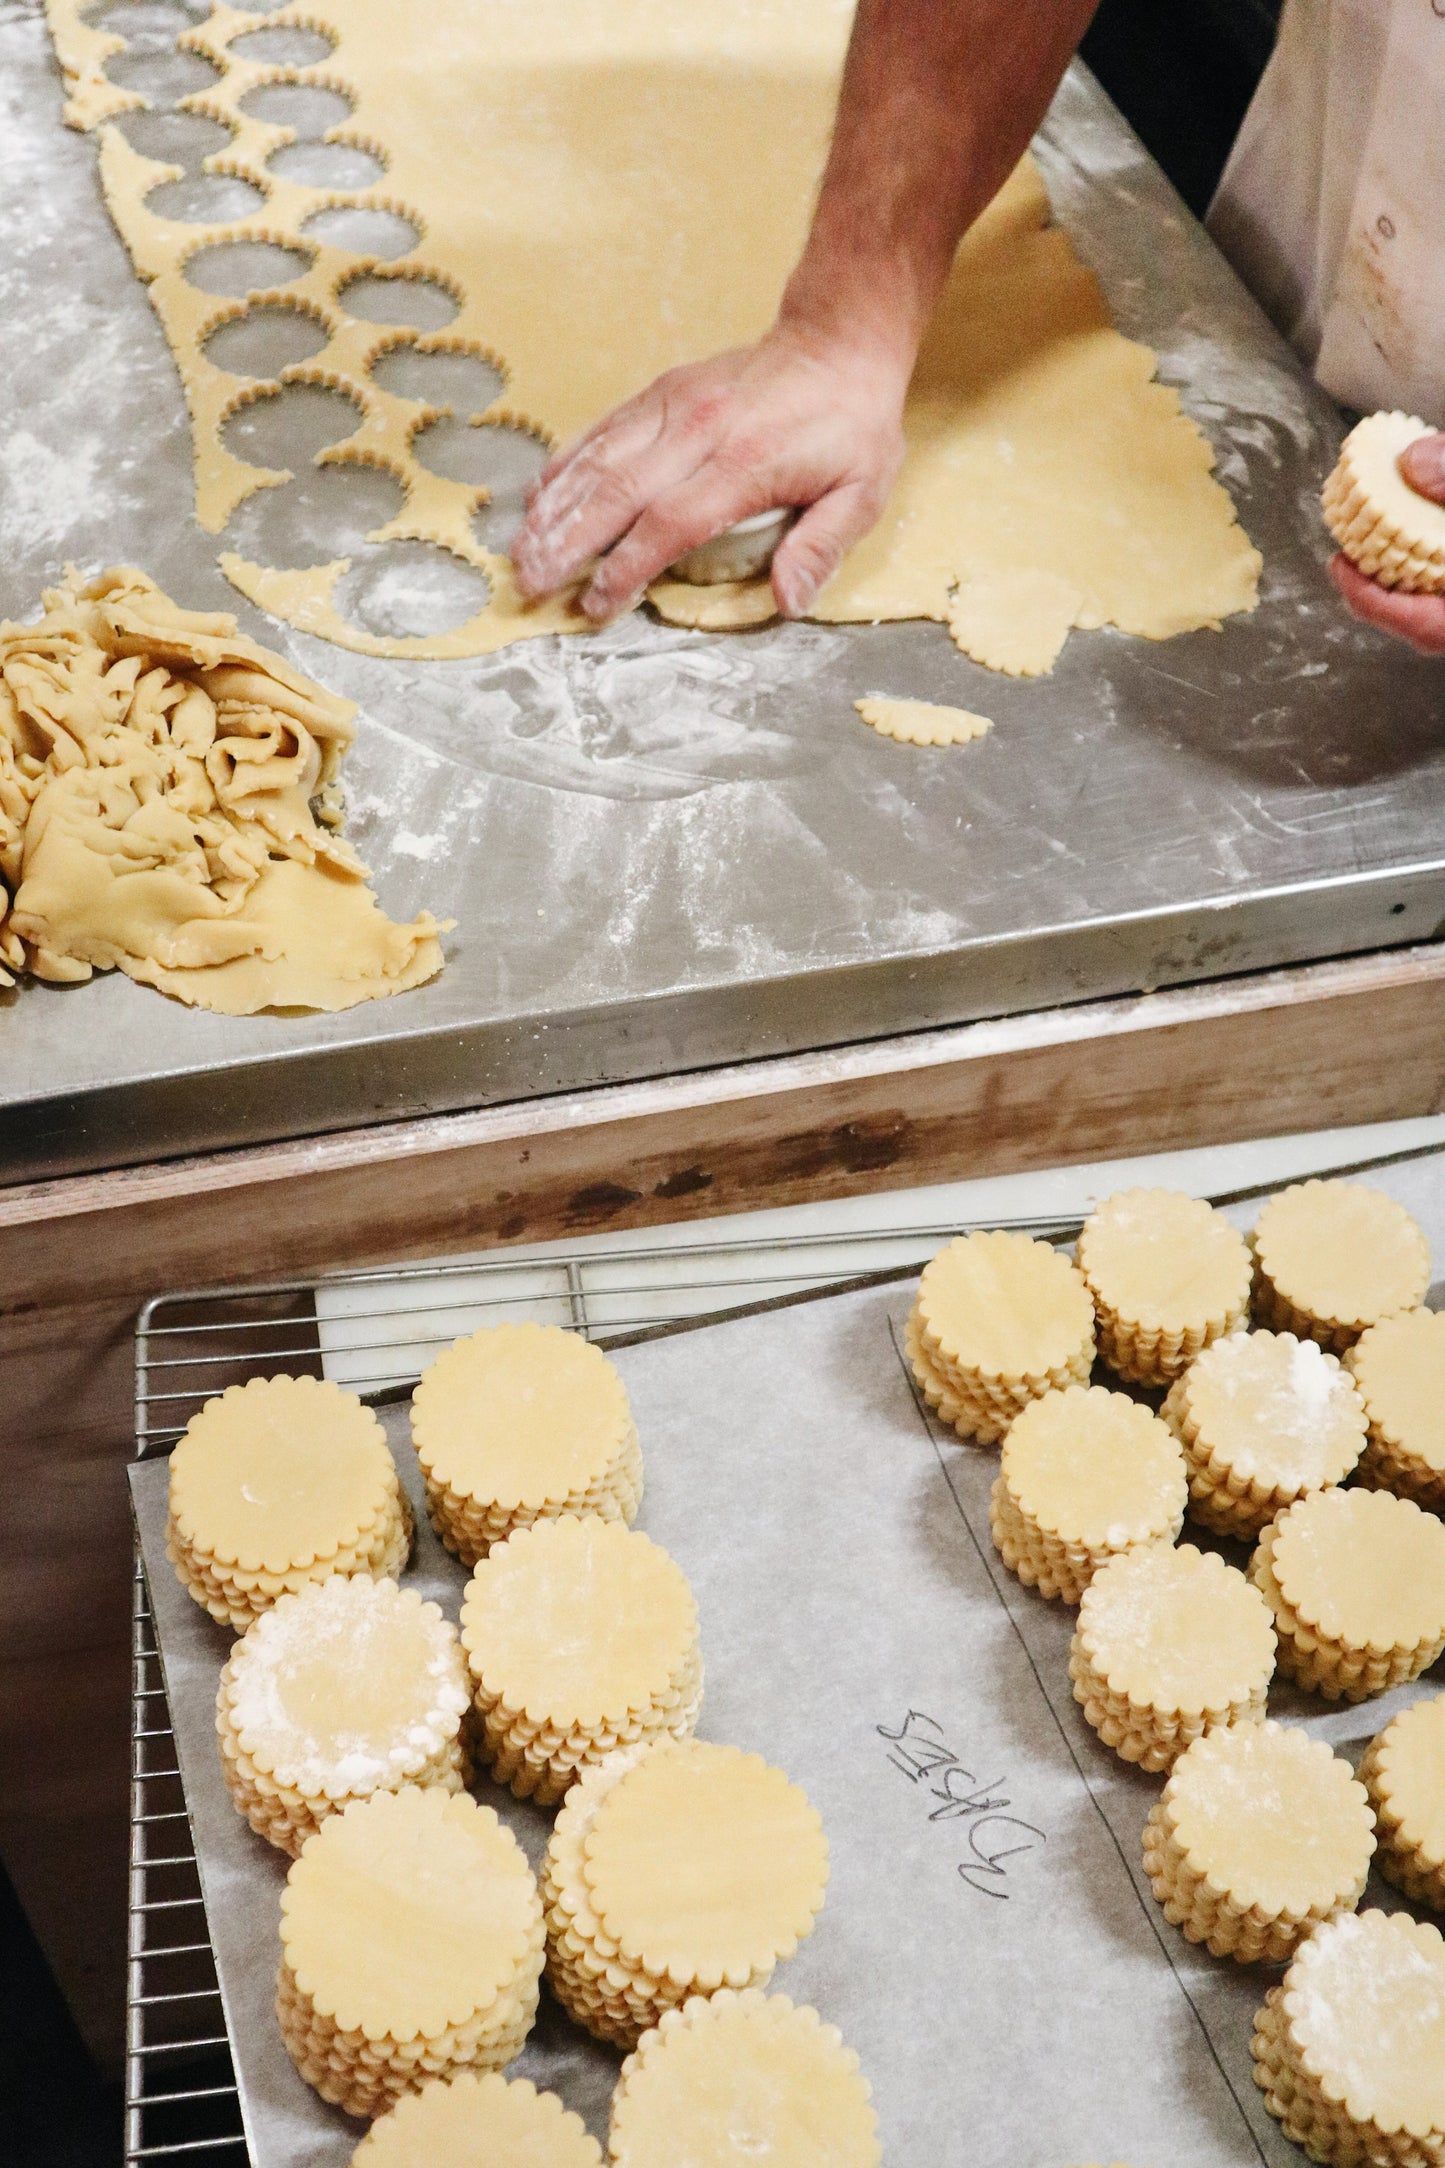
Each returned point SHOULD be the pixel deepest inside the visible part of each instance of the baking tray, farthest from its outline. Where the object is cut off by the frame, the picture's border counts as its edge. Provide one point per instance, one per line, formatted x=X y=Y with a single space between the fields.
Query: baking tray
x=667 y=850
x=989 y=1922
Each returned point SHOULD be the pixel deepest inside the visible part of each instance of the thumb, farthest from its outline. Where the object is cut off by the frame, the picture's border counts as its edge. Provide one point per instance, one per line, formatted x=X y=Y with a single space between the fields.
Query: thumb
x=1422 y=465
x=811 y=552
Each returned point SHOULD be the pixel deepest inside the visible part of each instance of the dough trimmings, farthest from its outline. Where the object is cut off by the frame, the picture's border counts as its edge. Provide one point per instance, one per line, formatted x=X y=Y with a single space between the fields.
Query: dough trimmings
x=581 y=1636
x=1383 y=525
x=746 y=2077
x=1168 y=1275
x=1169 y=1643
x=347 y=1688
x=411 y=1945
x=1016 y=622
x=472 y=2121
x=515 y=224
x=1334 y=1257
x=1260 y=1833
x=168 y=808
x=705 y=1866
x=920 y=722
x=1399 y=1370
x=1404 y=1772
x=1349 y=2050
x=1263 y=1418
x=520 y=1421
x=1085 y=1474
x=1356 y=1581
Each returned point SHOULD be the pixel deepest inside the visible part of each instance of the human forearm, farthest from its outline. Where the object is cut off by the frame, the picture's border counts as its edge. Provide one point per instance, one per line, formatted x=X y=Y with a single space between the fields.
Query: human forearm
x=939 y=101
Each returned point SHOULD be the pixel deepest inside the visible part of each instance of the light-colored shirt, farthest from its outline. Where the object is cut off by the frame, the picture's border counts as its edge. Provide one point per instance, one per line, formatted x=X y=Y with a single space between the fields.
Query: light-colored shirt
x=1332 y=205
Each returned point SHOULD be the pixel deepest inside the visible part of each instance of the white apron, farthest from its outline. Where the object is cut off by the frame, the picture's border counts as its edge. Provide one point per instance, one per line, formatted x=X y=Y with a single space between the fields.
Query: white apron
x=1332 y=206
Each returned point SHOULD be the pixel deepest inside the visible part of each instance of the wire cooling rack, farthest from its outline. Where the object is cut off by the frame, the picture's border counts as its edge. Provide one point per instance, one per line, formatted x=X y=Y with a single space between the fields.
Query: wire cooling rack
x=375 y=1332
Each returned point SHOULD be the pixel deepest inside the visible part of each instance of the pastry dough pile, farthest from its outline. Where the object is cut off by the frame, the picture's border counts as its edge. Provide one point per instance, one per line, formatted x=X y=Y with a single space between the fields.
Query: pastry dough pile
x=1356 y=1582
x=1404 y=1772
x=675 y=1870
x=243 y=1531
x=1170 y=1644
x=1260 y=1833
x=521 y=1422
x=168 y=808
x=411 y=1946
x=581 y=1636
x=351 y=1687
x=1349 y=2049
x=743 y=2074
x=1263 y=1418
x=999 y=1320
x=1084 y=1475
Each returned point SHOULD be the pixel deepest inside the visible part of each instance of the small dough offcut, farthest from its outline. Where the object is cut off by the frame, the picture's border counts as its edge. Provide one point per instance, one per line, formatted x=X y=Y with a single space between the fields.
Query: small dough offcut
x=920 y=722
x=1014 y=621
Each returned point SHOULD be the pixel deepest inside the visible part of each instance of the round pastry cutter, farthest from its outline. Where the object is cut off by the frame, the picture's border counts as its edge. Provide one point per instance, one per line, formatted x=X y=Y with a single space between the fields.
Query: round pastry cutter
x=742 y=552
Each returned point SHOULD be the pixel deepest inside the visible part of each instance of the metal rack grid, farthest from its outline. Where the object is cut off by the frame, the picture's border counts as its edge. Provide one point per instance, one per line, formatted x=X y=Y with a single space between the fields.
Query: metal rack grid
x=181 y=2095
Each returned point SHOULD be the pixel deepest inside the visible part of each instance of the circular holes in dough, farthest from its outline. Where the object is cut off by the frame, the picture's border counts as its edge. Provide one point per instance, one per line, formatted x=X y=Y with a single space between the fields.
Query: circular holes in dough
x=326 y=165
x=365 y=229
x=310 y=108
x=500 y=457
x=265 y=340
x=437 y=376
x=287 y=45
x=161 y=78
x=408 y=299
x=205 y=199
x=176 y=139
x=287 y=428
x=322 y=514
x=236 y=269
x=410 y=590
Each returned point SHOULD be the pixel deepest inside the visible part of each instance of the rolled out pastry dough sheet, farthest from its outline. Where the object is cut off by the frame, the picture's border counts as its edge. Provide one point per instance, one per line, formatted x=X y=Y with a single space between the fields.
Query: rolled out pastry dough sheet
x=613 y=187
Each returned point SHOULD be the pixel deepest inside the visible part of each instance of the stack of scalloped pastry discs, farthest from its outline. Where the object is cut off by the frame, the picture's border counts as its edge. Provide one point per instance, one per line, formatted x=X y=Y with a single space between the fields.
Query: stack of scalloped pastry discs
x=1334 y=1257
x=1168 y=1275
x=743 y=2077
x=1404 y=1772
x=674 y=1871
x=1263 y=1418
x=1084 y=1474
x=478 y=2121
x=999 y=1320
x=1349 y=2049
x=1169 y=1644
x=277 y=1484
x=1383 y=525
x=1260 y=1833
x=344 y=1689
x=581 y=1636
x=1399 y=1371
x=411 y=1946
x=518 y=1422
x=1356 y=1582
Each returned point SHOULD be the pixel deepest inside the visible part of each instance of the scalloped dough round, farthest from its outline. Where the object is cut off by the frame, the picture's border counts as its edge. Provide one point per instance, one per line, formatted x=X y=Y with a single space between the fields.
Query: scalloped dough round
x=1364 y=2004
x=1177 y=1629
x=478 y=2121
x=1363 y=1567
x=519 y=1415
x=1006 y=1306
x=1094 y=1468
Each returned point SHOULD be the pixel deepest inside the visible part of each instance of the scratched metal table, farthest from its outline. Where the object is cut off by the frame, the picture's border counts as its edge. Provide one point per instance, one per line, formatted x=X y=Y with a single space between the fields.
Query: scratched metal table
x=667 y=850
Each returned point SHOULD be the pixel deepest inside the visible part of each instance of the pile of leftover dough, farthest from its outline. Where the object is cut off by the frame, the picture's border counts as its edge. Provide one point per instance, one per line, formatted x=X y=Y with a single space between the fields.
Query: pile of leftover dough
x=581 y=1635
x=276 y=1484
x=521 y=1422
x=169 y=809
x=350 y=1687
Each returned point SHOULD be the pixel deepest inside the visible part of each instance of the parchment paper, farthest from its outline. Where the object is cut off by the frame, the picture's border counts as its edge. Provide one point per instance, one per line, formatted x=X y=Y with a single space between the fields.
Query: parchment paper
x=989 y=1945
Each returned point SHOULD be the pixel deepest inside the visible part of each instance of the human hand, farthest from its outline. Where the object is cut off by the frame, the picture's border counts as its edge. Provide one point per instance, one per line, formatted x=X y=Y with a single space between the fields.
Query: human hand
x=1420 y=619
x=797 y=419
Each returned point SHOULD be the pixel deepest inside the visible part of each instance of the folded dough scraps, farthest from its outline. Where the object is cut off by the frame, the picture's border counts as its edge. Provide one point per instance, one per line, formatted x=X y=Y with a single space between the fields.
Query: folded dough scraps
x=919 y=722
x=739 y=2078
x=168 y=809
x=1014 y=621
x=472 y=2121
x=1383 y=525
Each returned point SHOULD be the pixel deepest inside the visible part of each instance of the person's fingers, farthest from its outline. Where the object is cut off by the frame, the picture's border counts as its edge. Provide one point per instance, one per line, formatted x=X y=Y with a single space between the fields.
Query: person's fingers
x=811 y=552
x=1422 y=464
x=703 y=505
x=595 y=499
x=1420 y=619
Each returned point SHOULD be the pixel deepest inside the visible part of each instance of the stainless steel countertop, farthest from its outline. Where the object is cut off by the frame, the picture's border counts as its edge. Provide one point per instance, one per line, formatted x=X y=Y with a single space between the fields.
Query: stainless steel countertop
x=666 y=850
